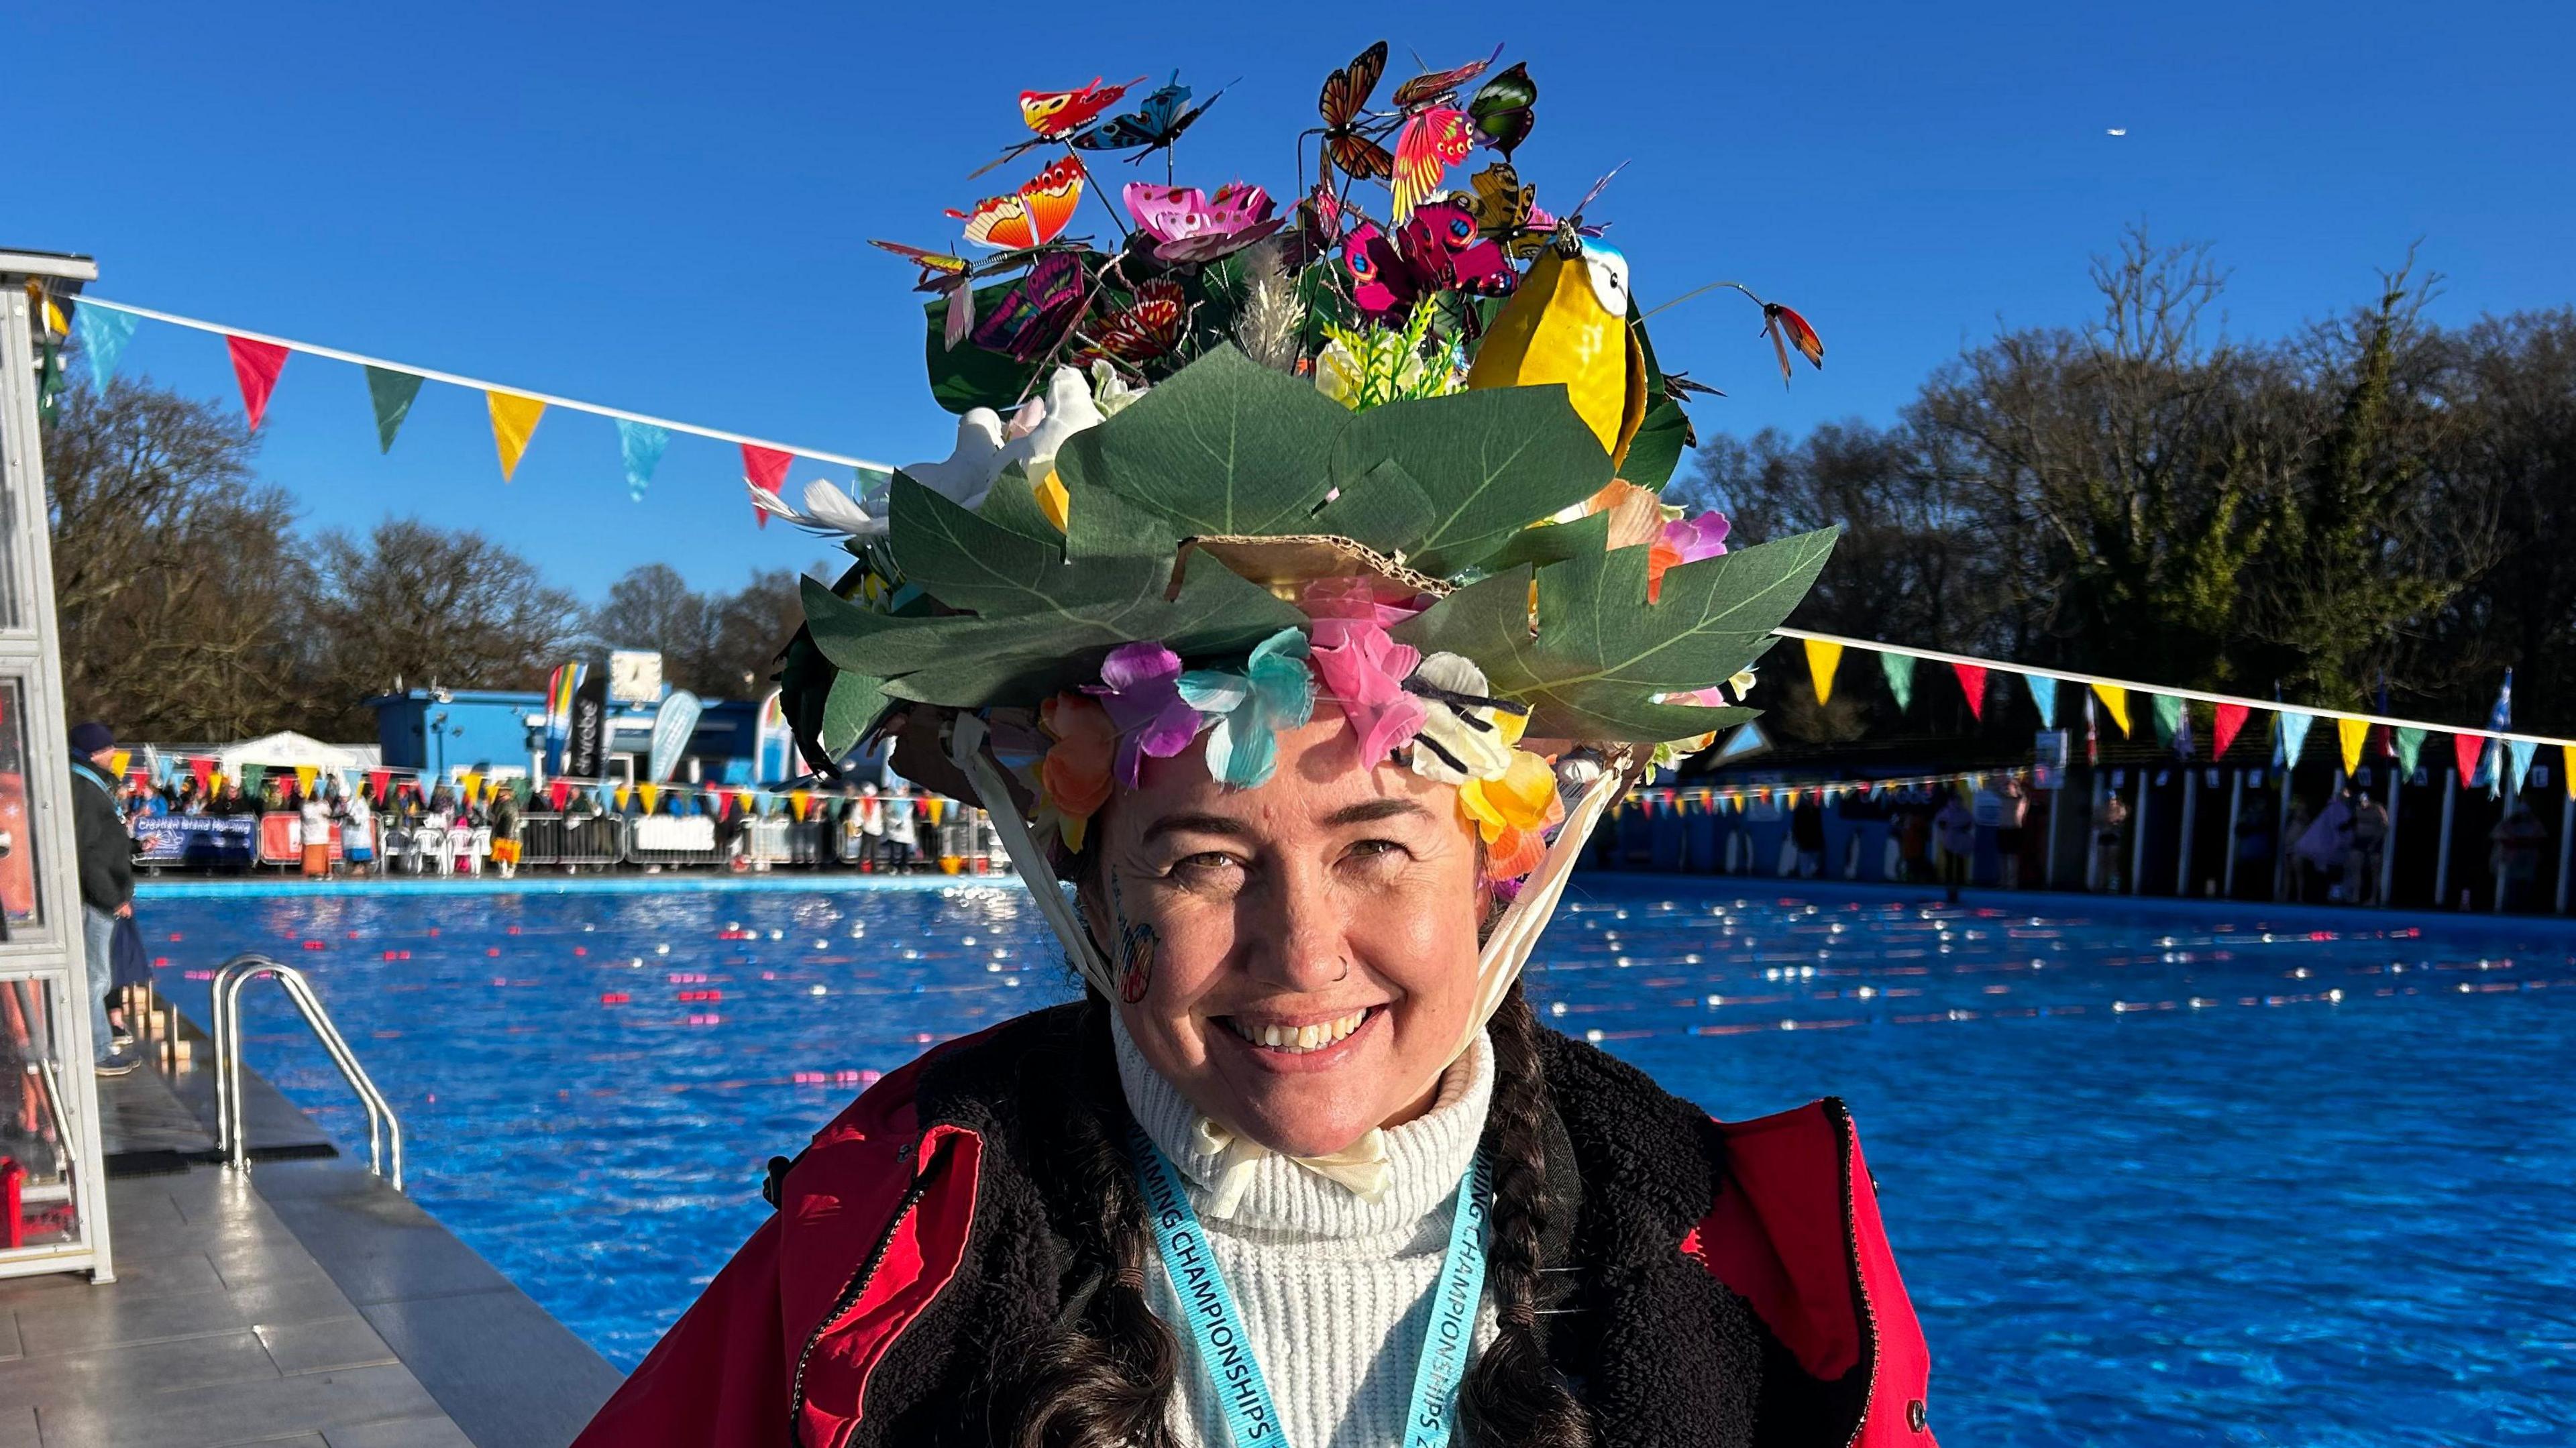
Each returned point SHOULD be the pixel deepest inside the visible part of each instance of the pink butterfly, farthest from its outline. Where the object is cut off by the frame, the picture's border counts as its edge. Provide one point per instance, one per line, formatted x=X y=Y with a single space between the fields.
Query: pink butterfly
x=1432 y=141
x=1438 y=249
x=1188 y=225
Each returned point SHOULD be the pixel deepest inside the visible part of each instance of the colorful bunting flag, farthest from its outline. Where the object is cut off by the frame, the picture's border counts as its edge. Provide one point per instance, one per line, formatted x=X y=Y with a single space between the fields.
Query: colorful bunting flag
x=2043 y=692
x=1822 y=659
x=1899 y=669
x=765 y=468
x=2567 y=769
x=306 y=776
x=514 y=421
x=2465 y=749
x=255 y=367
x=381 y=781
x=642 y=443
x=2294 y=734
x=1972 y=682
x=252 y=777
x=650 y=794
x=2230 y=719
x=560 y=793
x=2168 y=715
x=117 y=761
x=103 y=335
x=2115 y=698
x=624 y=793
x=391 y=393
x=202 y=769
x=2352 y=733
x=2518 y=752
x=798 y=802
x=2410 y=747
x=473 y=785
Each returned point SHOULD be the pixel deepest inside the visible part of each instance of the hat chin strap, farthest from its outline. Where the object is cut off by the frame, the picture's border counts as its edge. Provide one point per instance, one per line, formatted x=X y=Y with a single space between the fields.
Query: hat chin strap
x=1362 y=1166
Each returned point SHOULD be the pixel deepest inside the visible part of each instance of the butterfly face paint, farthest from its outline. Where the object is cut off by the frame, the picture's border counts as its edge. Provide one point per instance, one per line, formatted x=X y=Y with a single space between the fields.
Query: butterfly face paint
x=1136 y=943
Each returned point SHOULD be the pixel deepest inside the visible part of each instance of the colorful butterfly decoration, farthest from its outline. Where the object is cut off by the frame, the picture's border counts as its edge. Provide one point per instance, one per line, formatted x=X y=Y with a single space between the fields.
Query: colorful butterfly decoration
x=1430 y=86
x=1431 y=142
x=1501 y=109
x=1787 y=329
x=1187 y=225
x=1506 y=209
x=1035 y=216
x=942 y=275
x=1153 y=126
x=1034 y=313
x=1349 y=142
x=1054 y=115
x=1437 y=249
x=1146 y=328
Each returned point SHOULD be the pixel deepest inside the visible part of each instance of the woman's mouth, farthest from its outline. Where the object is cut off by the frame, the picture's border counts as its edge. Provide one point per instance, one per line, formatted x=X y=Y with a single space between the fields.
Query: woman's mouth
x=1298 y=1039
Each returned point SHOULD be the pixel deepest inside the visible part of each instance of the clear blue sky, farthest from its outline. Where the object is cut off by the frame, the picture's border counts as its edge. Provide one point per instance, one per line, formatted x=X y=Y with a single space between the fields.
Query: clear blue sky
x=668 y=209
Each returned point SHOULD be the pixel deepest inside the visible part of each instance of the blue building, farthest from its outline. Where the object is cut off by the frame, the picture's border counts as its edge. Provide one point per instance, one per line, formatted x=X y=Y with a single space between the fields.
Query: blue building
x=486 y=730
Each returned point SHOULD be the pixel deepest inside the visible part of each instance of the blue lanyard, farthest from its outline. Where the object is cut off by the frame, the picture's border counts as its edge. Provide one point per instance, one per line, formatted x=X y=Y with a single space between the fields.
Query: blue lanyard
x=1225 y=1347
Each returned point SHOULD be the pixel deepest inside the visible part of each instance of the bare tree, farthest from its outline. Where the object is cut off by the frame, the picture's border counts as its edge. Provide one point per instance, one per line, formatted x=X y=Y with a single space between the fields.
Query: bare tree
x=427 y=605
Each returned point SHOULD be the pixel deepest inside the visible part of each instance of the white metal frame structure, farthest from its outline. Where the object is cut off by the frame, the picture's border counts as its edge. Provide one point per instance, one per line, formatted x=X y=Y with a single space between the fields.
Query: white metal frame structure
x=41 y=965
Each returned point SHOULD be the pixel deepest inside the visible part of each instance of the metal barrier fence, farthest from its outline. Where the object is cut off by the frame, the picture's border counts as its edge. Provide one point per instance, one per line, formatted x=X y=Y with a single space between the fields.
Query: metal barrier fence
x=673 y=840
x=598 y=840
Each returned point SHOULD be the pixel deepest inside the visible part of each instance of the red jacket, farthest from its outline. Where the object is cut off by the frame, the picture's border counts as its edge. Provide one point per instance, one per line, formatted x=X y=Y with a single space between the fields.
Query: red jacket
x=878 y=1230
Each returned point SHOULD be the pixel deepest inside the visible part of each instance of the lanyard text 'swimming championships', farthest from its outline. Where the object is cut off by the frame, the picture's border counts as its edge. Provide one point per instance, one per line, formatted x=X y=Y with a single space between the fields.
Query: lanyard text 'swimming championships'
x=1225 y=1346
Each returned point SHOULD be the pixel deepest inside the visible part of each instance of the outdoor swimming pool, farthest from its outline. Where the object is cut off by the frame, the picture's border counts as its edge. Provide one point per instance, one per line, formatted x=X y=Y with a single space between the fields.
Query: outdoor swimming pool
x=2163 y=1175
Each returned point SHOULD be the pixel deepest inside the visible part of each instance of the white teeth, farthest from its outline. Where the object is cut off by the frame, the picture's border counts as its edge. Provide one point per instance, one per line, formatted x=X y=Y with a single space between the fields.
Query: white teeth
x=1299 y=1039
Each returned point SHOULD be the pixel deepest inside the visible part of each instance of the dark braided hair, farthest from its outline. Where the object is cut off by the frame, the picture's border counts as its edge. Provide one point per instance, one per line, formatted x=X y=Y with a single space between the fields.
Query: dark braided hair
x=1514 y=1397
x=1103 y=1378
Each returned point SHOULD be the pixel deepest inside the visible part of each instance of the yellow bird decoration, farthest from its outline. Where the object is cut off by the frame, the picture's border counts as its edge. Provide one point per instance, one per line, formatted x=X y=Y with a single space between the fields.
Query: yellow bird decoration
x=1568 y=322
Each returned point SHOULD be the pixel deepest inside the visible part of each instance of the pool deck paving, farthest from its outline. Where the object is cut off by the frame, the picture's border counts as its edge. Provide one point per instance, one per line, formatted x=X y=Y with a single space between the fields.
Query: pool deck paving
x=305 y=1303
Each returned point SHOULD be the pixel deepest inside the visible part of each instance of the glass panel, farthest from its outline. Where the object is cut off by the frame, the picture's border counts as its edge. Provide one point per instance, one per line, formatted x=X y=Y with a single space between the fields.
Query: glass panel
x=36 y=1201
x=17 y=466
x=18 y=905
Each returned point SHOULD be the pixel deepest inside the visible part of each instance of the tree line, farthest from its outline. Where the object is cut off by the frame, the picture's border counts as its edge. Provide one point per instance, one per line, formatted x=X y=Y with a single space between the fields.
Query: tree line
x=193 y=606
x=2375 y=501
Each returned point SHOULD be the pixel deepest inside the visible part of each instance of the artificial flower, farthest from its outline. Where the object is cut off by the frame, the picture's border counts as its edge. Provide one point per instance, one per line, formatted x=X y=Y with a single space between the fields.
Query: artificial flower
x=1511 y=814
x=1054 y=501
x=1364 y=671
x=1111 y=393
x=1274 y=690
x=1458 y=741
x=1683 y=540
x=1636 y=514
x=1073 y=780
x=1140 y=687
x=1357 y=598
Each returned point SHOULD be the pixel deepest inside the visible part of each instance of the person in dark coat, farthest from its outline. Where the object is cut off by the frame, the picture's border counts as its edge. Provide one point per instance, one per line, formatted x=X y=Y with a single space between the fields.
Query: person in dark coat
x=106 y=854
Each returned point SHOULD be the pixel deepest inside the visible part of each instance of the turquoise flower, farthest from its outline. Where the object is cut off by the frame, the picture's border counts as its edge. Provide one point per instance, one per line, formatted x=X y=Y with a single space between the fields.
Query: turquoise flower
x=1274 y=690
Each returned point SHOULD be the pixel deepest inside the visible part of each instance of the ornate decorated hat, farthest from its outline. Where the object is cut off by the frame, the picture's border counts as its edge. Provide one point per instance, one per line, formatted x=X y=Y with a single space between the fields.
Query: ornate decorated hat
x=1399 y=450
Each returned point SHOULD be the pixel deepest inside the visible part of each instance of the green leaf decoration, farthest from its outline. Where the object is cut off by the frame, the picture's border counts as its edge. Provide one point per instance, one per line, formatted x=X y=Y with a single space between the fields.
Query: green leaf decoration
x=1013 y=504
x=1486 y=463
x=969 y=562
x=1225 y=446
x=965 y=377
x=853 y=704
x=1601 y=650
x=1656 y=451
x=1387 y=510
x=1554 y=542
x=1016 y=657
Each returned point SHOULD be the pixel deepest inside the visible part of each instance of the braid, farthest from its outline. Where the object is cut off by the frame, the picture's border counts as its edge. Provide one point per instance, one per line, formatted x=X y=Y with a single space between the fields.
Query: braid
x=1103 y=1378
x=1514 y=1397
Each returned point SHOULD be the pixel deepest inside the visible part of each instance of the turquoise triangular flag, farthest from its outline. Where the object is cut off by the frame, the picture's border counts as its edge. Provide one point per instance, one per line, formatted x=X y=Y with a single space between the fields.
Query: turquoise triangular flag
x=103 y=335
x=642 y=443
x=1899 y=669
x=2519 y=752
x=2294 y=734
x=391 y=392
x=2043 y=692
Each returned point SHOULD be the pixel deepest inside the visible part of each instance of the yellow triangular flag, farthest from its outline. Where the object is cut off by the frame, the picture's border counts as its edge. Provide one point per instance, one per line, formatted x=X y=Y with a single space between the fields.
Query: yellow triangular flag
x=798 y=801
x=305 y=774
x=623 y=794
x=54 y=320
x=514 y=421
x=1822 y=659
x=2567 y=776
x=2116 y=699
x=2351 y=732
x=116 y=762
x=650 y=793
x=473 y=785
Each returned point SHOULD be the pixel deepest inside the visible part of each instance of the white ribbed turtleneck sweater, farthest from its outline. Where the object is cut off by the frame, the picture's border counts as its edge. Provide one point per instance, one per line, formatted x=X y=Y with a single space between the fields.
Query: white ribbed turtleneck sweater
x=1336 y=1292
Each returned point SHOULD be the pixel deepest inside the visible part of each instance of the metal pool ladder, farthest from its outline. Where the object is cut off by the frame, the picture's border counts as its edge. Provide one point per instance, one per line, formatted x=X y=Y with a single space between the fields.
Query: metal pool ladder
x=230 y=1136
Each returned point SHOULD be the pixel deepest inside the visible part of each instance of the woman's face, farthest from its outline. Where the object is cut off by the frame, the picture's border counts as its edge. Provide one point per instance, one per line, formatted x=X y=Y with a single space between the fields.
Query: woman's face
x=1299 y=959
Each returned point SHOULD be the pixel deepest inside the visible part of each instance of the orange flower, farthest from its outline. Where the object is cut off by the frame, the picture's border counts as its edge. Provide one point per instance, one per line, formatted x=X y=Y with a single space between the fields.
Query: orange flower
x=1509 y=813
x=1636 y=514
x=1074 y=780
x=1660 y=556
x=1515 y=854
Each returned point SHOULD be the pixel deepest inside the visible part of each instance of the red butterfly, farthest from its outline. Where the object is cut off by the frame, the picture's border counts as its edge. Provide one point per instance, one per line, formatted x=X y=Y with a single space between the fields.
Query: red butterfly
x=1438 y=249
x=1348 y=142
x=1149 y=327
x=1057 y=114
x=1432 y=85
x=1787 y=329
x=1034 y=217
x=942 y=275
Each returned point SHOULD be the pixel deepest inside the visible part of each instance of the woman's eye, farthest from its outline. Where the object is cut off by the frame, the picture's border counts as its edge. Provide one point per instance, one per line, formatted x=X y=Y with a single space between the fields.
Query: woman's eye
x=1368 y=849
x=1203 y=863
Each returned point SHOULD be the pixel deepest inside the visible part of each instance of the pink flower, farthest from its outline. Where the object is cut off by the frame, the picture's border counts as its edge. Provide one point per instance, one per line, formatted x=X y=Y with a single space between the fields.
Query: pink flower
x=1697 y=538
x=1140 y=687
x=1364 y=672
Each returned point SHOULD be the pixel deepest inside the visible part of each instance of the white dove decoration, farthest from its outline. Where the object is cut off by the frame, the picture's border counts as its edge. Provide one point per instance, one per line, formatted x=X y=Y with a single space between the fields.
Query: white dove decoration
x=1066 y=409
x=827 y=510
x=966 y=474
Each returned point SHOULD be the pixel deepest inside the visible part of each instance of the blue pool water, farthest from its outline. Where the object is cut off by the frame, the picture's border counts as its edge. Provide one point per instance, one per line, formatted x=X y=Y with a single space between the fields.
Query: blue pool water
x=2180 y=1176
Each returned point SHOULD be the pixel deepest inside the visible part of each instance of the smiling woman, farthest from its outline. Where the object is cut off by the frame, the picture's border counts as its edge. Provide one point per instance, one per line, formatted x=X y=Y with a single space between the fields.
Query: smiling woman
x=1313 y=699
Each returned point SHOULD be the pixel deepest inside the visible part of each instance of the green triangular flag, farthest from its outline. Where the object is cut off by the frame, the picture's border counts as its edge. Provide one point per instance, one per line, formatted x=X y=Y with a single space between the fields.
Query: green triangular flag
x=1899 y=669
x=2410 y=747
x=2168 y=717
x=252 y=776
x=391 y=392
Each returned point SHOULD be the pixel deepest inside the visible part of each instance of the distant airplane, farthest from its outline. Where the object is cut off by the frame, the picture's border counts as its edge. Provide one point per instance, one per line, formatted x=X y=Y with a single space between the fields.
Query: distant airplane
x=2119 y=130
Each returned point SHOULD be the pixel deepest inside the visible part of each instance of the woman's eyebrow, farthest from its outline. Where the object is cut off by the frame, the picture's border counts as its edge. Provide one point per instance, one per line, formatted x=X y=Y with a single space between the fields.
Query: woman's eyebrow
x=1370 y=811
x=1197 y=824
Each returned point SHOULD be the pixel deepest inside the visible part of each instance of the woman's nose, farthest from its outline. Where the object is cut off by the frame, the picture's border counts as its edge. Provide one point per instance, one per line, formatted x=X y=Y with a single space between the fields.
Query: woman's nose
x=1304 y=944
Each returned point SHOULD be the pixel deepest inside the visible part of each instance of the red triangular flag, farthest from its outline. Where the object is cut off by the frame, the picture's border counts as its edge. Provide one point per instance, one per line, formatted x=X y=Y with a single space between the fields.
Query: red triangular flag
x=765 y=468
x=2466 y=748
x=560 y=793
x=1972 y=679
x=380 y=781
x=2231 y=717
x=255 y=366
x=204 y=772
